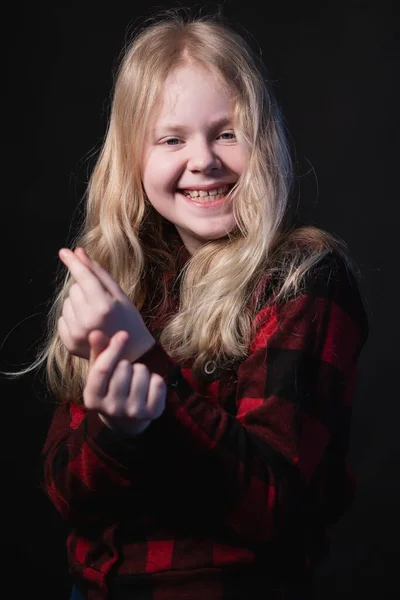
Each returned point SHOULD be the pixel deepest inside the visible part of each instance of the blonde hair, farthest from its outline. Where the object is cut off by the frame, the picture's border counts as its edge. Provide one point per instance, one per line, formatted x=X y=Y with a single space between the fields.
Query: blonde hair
x=125 y=235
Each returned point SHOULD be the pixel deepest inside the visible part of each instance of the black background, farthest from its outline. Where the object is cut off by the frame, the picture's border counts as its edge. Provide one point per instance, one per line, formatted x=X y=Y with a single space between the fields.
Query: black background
x=335 y=66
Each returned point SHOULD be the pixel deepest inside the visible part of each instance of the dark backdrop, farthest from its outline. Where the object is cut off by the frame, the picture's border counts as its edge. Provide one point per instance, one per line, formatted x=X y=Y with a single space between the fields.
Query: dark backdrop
x=335 y=66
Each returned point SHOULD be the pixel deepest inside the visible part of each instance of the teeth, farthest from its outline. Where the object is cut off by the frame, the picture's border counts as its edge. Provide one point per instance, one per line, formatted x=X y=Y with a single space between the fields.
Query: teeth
x=204 y=193
x=206 y=198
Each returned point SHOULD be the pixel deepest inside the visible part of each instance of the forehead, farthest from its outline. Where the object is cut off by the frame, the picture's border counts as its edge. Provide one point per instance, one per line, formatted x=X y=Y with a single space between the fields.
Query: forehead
x=193 y=91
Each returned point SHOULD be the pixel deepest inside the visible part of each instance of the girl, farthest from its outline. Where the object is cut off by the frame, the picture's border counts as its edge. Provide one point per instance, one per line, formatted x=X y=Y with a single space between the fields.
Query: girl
x=203 y=350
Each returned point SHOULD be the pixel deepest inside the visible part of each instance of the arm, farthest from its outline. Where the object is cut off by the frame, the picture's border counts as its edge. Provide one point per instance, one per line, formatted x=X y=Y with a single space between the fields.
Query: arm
x=87 y=466
x=252 y=464
x=293 y=401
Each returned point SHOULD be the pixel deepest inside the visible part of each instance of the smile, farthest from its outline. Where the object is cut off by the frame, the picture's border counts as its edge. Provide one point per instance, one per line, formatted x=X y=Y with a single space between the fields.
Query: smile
x=207 y=195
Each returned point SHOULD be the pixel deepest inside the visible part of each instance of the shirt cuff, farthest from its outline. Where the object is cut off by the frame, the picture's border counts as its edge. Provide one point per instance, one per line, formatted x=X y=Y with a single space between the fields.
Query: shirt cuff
x=158 y=361
x=119 y=448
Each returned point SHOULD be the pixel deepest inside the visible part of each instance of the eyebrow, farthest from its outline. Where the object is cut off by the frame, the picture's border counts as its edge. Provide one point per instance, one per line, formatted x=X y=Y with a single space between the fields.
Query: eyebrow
x=177 y=128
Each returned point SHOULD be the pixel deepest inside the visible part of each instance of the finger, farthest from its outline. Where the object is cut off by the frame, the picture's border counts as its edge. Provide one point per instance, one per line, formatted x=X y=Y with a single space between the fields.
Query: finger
x=119 y=386
x=83 y=257
x=70 y=319
x=102 y=368
x=137 y=403
x=77 y=298
x=109 y=283
x=156 y=396
x=78 y=330
x=79 y=268
x=98 y=342
x=81 y=254
x=64 y=334
x=87 y=280
x=76 y=348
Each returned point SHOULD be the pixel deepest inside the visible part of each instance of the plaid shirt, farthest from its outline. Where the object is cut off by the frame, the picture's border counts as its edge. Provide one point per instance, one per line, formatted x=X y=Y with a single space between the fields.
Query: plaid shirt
x=229 y=494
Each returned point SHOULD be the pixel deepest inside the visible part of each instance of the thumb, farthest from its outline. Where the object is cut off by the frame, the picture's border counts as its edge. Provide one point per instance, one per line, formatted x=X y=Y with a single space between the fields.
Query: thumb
x=98 y=342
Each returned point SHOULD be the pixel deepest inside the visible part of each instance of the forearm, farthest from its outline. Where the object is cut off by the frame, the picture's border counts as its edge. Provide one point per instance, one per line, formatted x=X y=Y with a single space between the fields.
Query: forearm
x=85 y=461
x=292 y=400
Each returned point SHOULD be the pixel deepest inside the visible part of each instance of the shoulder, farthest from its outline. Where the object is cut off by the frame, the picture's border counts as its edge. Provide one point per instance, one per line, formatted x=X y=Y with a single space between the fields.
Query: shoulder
x=335 y=277
x=325 y=316
x=319 y=274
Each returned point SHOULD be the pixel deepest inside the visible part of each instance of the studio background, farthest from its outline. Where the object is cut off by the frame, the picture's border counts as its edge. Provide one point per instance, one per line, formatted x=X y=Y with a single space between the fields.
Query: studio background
x=335 y=68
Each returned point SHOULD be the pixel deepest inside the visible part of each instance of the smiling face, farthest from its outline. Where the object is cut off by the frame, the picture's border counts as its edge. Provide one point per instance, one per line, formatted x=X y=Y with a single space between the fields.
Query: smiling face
x=191 y=156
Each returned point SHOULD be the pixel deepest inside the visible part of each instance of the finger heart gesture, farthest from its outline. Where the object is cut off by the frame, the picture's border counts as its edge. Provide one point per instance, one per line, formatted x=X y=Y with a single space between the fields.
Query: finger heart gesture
x=96 y=302
x=127 y=397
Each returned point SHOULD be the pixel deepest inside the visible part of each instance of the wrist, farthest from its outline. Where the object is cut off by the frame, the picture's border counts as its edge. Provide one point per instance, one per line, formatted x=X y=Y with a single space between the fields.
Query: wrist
x=124 y=427
x=139 y=348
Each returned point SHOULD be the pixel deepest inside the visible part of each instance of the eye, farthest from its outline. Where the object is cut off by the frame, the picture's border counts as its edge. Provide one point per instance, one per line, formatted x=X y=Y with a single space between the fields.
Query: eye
x=172 y=142
x=227 y=135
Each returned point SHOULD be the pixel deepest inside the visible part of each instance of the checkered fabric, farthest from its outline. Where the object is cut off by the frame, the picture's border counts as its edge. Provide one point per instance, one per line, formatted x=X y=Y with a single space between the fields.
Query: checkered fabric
x=230 y=493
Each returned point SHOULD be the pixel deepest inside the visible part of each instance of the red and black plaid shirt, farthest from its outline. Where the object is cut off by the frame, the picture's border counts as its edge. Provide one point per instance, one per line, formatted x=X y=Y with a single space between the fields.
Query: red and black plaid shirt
x=229 y=494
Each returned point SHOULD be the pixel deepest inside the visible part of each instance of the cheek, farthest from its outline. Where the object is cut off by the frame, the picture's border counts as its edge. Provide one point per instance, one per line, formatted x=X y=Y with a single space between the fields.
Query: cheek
x=234 y=160
x=239 y=160
x=160 y=173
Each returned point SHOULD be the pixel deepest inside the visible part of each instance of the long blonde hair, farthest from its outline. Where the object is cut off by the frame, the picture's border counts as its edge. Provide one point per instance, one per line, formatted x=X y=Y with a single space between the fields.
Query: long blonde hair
x=124 y=233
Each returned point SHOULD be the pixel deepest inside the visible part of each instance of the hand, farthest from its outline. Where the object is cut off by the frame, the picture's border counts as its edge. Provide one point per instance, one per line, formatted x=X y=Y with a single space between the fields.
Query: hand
x=96 y=301
x=127 y=397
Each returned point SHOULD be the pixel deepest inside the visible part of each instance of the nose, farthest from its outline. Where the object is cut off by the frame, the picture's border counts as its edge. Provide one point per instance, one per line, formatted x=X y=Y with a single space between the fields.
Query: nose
x=203 y=158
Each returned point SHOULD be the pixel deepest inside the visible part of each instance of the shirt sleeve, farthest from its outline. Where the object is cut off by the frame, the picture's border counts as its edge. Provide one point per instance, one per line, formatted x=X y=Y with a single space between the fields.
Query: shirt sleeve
x=87 y=467
x=250 y=466
x=293 y=397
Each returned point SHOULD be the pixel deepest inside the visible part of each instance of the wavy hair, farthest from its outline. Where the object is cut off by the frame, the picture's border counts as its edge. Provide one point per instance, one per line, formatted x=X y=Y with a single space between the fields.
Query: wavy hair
x=123 y=232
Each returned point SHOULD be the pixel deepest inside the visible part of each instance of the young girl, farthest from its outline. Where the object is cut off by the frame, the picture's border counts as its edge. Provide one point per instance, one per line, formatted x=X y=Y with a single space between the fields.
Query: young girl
x=203 y=350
